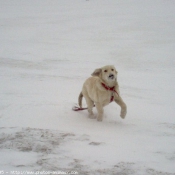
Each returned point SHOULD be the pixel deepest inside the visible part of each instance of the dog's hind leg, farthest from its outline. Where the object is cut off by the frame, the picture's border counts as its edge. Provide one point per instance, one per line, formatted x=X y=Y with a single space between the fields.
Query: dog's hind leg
x=90 y=105
x=100 y=111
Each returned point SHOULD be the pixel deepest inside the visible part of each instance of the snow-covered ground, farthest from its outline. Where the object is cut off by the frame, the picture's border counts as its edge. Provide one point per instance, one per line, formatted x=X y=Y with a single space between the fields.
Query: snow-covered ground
x=48 y=49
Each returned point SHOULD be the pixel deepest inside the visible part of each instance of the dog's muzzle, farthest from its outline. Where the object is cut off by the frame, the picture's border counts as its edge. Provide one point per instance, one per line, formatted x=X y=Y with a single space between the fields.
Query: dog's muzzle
x=111 y=76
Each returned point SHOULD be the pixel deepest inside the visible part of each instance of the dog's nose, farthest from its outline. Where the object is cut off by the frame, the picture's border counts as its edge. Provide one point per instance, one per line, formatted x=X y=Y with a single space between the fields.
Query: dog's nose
x=111 y=76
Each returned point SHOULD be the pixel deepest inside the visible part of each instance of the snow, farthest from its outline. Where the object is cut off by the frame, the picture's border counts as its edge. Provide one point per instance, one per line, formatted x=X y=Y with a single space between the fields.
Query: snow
x=48 y=49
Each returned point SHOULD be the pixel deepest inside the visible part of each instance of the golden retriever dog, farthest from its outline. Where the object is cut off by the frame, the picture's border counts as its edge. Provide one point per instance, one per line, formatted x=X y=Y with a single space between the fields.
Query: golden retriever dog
x=101 y=89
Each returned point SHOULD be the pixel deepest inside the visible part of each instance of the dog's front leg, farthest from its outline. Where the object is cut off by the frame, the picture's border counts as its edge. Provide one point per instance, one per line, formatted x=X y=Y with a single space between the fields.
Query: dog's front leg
x=100 y=111
x=123 y=106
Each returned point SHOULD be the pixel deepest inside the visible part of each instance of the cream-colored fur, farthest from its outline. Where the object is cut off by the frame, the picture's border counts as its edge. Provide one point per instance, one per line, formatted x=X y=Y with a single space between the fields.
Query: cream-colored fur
x=94 y=92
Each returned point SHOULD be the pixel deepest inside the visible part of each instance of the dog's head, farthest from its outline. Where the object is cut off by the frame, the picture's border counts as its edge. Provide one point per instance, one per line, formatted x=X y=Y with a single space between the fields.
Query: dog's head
x=106 y=73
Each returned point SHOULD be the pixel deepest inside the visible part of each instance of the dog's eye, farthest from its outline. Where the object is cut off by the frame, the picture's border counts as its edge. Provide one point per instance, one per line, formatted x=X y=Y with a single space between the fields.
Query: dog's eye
x=105 y=70
x=112 y=69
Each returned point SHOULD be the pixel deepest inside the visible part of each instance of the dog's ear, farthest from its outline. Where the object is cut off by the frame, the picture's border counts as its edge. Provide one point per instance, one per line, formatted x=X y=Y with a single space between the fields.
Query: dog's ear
x=96 y=72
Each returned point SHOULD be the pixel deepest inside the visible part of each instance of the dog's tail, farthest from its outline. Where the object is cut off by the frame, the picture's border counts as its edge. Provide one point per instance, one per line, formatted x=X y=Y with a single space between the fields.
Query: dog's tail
x=80 y=99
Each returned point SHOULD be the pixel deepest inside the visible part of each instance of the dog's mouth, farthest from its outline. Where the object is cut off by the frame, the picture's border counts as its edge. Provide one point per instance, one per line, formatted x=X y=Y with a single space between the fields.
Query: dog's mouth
x=111 y=76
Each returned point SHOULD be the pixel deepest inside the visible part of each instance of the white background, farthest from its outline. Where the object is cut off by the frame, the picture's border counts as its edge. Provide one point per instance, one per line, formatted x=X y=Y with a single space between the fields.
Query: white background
x=48 y=49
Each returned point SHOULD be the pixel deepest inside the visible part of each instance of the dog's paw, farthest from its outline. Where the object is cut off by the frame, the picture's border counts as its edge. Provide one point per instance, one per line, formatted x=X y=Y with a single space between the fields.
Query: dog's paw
x=123 y=114
x=92 y=116
x=99 y=118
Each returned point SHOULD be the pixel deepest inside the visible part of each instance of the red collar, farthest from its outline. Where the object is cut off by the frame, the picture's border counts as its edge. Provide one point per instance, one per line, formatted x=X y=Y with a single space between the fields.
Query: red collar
x=110 y=89
x=107 y=87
